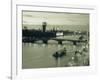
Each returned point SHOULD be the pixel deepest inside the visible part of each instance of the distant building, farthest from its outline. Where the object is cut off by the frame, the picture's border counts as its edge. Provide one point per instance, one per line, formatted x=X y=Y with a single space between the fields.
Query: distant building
x=44 y=24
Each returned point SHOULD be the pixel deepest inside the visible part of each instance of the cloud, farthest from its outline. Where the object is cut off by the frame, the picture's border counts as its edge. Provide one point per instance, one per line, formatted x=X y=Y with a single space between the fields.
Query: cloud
x=36 y=18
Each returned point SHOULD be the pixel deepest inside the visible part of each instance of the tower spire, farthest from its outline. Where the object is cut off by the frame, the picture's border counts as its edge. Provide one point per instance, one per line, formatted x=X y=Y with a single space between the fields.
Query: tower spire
x=44 y=24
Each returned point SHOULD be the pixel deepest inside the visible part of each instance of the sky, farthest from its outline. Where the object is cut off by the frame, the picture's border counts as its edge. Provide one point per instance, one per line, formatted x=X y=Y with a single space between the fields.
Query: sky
x=55 y=18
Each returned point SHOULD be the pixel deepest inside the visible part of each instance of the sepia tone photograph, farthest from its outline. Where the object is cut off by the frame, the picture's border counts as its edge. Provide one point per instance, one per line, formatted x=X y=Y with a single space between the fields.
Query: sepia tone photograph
x=55 y=39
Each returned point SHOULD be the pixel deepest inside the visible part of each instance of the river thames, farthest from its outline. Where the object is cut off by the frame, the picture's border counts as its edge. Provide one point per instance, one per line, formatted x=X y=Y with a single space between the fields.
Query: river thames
x=39 y=55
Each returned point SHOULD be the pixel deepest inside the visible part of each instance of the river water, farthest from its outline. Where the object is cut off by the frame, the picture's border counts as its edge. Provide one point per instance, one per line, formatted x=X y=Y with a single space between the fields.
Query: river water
x=39 y=55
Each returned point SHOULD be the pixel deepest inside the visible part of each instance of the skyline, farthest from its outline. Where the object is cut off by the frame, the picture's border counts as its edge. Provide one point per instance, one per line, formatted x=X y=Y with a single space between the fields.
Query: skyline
x=71 y=21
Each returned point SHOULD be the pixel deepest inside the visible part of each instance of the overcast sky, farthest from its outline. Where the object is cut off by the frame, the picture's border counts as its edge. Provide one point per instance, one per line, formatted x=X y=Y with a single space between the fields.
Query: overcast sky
x=36 y=18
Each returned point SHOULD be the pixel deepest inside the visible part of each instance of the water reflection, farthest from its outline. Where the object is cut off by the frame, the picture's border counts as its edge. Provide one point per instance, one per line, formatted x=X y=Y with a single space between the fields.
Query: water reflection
x=39 y=55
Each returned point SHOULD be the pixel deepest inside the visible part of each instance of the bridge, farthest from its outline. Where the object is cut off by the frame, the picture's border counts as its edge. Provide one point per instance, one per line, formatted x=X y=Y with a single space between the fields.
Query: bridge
x=59 y=40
